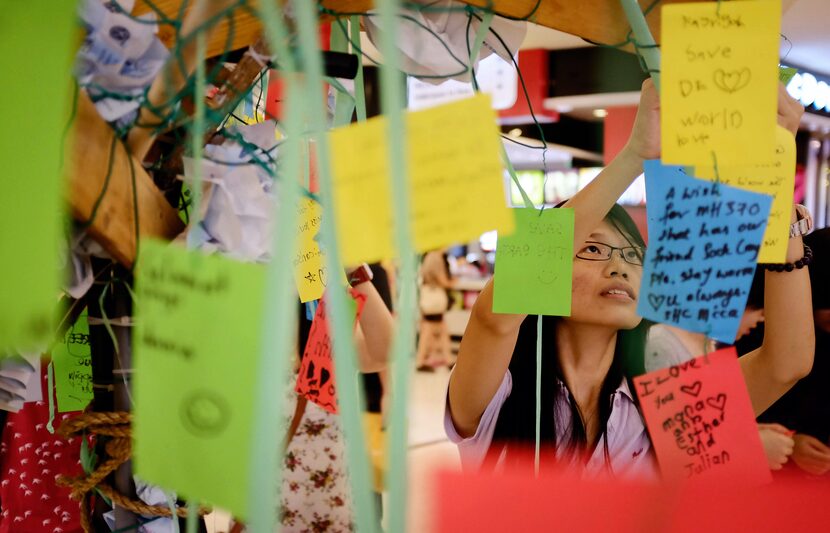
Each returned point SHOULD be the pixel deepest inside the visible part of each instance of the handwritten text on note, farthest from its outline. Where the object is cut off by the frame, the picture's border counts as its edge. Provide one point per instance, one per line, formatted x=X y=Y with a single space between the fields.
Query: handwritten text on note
x=720 y=78
x=701 y=421
x=773 y=175
x=535 y=263
x=455 y=177
x=196 y=348
x=703 y=244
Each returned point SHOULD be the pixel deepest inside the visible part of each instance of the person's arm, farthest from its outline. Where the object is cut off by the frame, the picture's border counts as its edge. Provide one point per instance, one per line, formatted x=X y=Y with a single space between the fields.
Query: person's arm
x=373 y=334
x=811 y=455
x=592 y=203
x=786 y=354
x=489 y=340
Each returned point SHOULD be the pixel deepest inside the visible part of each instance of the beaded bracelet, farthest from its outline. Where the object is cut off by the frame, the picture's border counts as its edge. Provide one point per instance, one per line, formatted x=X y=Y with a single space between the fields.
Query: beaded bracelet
x=789 y=267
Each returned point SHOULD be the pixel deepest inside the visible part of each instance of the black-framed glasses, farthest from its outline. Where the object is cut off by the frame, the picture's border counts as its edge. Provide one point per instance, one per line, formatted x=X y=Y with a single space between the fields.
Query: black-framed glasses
x=599 y=251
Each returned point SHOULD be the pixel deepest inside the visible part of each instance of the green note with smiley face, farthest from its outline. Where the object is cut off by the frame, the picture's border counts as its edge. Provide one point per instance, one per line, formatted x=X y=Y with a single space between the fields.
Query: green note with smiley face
x=196 y=352
x=534 y=264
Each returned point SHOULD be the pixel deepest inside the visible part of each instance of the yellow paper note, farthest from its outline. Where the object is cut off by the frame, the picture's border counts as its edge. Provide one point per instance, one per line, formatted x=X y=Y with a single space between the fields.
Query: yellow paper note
x=719 y=81
x=773 y=175
x=309 y=261
x=455 y=180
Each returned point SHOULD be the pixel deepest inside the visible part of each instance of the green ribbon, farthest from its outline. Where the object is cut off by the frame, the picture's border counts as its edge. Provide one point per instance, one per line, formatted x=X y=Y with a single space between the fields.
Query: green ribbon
x=644 y=44
x=359 y=88
x=279 y=313
x=345 y=356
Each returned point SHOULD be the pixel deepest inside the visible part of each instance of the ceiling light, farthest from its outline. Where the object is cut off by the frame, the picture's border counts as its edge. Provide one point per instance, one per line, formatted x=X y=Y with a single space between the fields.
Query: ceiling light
x=515 y=132
x=564 y=108
x=600 y=113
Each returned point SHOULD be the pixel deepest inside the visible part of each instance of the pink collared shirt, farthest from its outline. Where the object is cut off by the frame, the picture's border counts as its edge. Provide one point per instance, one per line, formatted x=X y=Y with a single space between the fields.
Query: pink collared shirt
x=629 y=448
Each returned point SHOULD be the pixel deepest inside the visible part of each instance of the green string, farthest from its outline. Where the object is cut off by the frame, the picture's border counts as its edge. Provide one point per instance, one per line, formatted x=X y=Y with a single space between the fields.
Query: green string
x=192 y=517
x=172 y=505
x=50 y=384
x=538 y=421
x=643 y=39
x=279 y=318
x=359 y=88
x=351 y=401
x=197 y=129
x=404 y=341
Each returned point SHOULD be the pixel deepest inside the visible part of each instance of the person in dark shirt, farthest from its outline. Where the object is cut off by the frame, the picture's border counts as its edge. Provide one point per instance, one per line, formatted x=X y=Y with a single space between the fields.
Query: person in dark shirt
x=806 y=407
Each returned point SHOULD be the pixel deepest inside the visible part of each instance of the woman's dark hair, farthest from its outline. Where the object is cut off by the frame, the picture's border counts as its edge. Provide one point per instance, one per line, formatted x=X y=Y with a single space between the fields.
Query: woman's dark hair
x=516 y=425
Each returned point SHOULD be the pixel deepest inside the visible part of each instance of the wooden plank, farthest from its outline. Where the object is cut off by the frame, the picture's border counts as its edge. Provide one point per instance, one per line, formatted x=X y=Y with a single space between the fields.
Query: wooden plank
x=246 y=27
x=601 y=21
x=87 y=158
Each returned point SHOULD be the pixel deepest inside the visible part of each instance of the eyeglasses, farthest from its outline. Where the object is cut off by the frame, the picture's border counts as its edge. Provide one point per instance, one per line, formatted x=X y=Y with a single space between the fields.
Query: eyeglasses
x=598 y=251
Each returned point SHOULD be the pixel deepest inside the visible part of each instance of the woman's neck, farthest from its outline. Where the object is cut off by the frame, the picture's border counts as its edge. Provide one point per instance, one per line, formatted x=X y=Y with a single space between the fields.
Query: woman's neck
x=585 y=356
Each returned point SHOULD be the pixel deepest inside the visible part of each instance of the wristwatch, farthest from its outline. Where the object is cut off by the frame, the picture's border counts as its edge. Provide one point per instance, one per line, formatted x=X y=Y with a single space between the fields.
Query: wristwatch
x=803 y=224
x=361 y=274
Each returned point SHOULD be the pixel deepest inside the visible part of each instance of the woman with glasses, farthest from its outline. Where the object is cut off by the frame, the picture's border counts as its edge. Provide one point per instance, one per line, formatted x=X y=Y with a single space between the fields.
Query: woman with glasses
x=590 y=418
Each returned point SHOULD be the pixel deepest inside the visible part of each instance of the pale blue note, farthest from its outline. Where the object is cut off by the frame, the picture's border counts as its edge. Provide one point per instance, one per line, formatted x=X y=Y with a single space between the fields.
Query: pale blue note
x=703 y=245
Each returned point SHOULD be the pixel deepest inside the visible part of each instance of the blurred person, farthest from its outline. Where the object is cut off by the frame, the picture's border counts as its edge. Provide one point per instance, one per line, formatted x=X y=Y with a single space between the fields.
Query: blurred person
x=434 y=337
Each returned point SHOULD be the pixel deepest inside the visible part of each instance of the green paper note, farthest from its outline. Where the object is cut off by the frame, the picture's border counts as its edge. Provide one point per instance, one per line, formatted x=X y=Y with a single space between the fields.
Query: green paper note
x=196 y=351
x=72 y=364
x=534 y=265
x=785 y=74
x=35 y=38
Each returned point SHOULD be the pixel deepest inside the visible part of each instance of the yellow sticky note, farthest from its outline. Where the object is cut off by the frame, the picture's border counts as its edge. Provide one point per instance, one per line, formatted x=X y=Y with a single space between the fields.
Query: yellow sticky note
x=309 y=261
x=773 y=174
x=455 y=180
x=719 y=73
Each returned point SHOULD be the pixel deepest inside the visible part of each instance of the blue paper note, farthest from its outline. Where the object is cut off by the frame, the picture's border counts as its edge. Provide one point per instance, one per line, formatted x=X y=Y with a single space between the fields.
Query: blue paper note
x=704 y=239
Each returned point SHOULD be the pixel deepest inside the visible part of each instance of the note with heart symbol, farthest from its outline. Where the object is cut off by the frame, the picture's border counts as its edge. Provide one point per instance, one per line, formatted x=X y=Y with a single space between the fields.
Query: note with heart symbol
x=719 y=81
x=732 y=81
x=656 y=300
x=701 y=422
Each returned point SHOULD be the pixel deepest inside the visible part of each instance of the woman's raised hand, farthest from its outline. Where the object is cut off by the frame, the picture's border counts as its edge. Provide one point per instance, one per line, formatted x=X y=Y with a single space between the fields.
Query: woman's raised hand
x=645 y=135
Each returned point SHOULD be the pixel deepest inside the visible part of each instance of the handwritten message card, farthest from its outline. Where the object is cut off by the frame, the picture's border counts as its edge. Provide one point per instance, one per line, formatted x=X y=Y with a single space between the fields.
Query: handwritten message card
x=534 y=264
x=315 y=379
x=35 y=115
x=773 y=175
x=455 y=180
x=704 y=239
x=196 y=347
x=72 y=365
x=309 y=261
x=701 y=421
x=720 y=77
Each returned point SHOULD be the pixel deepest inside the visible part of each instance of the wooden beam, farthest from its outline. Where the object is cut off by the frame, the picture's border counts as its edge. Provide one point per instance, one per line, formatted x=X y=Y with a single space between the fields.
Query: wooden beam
x=246 y=27
x=601 y=21
x=87 y=162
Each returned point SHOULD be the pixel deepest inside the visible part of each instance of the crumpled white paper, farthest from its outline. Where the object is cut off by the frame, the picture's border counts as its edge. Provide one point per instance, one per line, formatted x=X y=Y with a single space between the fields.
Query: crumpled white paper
x=423 y=54
x=151 y=495
x=119 y=55
x=237 y=206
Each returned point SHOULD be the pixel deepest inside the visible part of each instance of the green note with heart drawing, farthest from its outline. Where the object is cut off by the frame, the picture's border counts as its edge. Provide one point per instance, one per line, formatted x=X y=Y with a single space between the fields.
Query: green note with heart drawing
x=534 y=264
x=196 y=352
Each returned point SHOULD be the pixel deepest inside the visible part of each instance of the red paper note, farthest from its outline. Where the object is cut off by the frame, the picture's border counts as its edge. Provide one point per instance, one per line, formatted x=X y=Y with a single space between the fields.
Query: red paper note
x=494 y=503
x=701 y=421
x=316 y=378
